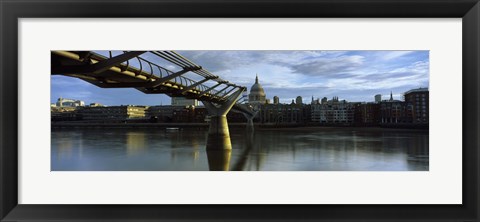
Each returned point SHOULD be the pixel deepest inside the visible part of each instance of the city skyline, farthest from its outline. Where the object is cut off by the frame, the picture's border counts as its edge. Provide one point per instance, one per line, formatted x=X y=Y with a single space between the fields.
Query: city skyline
x=350 y=75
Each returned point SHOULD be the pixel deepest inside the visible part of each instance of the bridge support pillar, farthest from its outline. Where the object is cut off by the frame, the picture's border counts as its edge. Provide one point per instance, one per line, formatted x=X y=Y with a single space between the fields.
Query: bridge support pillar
x=249 y=122
x=218 y=134
x=219 y=145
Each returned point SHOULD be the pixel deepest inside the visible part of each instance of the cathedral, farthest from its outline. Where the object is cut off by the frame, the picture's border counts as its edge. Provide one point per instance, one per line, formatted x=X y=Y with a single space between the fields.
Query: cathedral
x=257 y=94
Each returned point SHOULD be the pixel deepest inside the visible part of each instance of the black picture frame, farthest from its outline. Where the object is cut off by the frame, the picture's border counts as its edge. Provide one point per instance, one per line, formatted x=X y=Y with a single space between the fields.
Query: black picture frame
x=12 y=10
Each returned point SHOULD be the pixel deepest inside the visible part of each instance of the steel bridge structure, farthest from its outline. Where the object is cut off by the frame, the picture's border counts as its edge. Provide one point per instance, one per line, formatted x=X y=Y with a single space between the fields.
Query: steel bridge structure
x=142 y=71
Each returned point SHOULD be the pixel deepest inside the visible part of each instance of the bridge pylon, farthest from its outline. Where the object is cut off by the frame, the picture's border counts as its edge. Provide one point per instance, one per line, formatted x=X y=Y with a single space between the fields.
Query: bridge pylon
x=218 y=133
x=250 y=117
x=219 y=145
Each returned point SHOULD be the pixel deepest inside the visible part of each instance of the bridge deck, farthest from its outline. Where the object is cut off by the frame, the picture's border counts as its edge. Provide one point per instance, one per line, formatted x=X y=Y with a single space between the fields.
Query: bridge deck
x=146 y=76
x=123 y=76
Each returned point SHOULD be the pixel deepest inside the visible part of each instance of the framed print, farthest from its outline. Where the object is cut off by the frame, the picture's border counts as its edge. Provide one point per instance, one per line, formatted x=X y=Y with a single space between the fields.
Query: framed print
x=310 y=110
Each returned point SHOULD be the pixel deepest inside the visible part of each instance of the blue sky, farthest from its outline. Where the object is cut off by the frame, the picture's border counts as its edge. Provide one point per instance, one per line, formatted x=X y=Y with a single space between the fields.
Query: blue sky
x=351 y=75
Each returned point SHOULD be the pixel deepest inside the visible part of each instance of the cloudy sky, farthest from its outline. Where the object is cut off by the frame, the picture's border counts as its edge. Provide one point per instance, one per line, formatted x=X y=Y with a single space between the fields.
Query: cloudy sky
x=351 y=75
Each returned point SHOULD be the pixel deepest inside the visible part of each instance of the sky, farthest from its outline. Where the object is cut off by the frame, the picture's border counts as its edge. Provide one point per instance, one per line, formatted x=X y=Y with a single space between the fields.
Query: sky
x=356 y=76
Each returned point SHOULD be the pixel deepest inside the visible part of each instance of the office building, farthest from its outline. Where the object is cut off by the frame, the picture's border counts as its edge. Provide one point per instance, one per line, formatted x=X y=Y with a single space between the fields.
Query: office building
x=333 y=112
x=182 y=101
x=62 y=102
x=112 y=112
x=419 y=100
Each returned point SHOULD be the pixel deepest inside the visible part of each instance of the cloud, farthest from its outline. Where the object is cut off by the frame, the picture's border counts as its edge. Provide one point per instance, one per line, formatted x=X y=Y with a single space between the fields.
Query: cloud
x=411 y=75
x=389 y=55
x=296 y=62
x=330 y=66
x=351 y=75
x=419 y=67
x=215 y=61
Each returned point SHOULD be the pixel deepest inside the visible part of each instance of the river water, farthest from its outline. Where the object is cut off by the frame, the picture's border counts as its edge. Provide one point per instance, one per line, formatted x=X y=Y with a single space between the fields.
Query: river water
x=289 y=149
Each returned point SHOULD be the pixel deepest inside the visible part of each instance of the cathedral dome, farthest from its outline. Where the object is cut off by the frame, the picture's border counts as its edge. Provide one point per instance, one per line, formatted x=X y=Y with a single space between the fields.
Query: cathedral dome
x=257 y=89
x=257 y=94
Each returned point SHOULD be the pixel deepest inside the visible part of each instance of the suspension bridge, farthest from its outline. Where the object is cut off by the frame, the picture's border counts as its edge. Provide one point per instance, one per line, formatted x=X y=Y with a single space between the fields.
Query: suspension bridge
x=145 y=71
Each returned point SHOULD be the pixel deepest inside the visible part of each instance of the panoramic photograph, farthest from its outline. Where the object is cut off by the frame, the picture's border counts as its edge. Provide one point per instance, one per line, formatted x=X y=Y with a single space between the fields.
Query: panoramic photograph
x=239 y=110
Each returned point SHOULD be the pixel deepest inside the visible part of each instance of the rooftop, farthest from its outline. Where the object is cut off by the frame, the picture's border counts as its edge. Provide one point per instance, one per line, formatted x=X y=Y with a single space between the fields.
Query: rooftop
x=416 y=90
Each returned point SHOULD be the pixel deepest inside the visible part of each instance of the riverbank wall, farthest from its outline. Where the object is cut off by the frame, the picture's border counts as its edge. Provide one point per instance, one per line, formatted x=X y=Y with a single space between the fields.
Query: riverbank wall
x=73 y=124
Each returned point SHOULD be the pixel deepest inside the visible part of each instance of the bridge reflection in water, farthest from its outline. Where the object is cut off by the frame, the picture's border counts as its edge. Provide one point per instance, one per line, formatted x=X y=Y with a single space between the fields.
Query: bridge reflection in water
x=219 y=151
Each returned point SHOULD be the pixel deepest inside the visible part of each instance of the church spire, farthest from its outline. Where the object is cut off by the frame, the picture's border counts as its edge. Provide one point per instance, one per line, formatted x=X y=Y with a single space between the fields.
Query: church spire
x=391 y=96
x=256 y=78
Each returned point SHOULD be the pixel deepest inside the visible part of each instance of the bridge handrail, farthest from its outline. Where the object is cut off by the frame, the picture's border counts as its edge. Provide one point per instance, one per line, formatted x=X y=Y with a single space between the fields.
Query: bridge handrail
x=183 y=62
x=182 y=79
x=87 y=64
x=147 y=69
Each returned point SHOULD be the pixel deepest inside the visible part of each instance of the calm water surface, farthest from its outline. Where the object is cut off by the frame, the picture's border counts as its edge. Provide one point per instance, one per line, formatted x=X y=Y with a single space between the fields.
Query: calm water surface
x=292 y=149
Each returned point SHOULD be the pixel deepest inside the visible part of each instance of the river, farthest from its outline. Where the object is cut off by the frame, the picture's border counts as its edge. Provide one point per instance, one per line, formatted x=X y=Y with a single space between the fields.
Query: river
x=284 y=149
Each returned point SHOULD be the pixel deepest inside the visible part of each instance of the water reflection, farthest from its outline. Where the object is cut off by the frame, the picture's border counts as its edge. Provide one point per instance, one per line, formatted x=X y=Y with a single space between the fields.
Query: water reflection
x=242 y=160
x=219 y=149
x=219 y=160
x=301 y=149
x=135 y=142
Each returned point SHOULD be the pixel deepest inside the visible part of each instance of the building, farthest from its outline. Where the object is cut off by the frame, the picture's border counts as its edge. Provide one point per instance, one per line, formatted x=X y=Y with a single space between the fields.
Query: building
x=333 y=112
x=299 y=100
x=282 y=114
x=315 y=101
x=236 y=117
x=95 y=104
x=62 y=102
x=182 y=101
x=395 y=112
x=164 y=114
x=65 y=113
x=112 y=112
x=324 y=100
x=257 y=94
x=276 y=100
x=419 y=100
x=378 y=98
x=200 y=114
x=176 y=114
x=184 y=115
x=367 y=114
